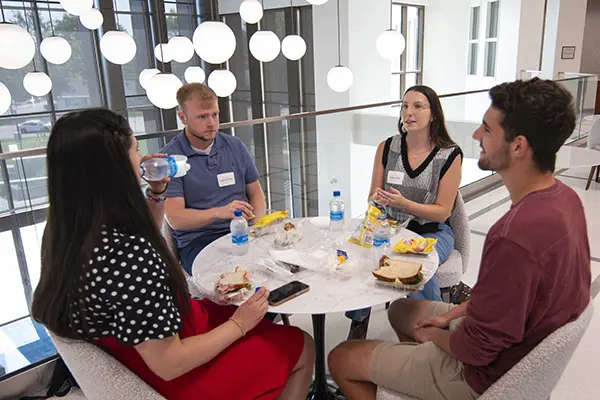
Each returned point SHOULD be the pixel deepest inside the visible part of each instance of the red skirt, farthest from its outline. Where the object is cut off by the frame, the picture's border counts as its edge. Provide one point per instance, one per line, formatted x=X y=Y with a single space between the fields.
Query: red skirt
x=255 y=367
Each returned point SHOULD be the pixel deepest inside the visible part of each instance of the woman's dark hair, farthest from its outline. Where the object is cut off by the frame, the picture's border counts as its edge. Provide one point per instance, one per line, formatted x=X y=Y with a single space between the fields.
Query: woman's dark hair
x=91 y=183
x=542 y=111
x=438 y=131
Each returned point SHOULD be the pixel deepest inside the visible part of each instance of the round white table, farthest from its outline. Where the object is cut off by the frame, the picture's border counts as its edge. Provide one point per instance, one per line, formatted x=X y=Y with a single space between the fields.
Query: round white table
x=352 y=288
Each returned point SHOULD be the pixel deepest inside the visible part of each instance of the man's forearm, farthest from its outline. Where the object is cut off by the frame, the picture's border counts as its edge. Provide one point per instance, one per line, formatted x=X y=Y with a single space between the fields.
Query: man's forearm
x=259 y=205
x=441 y=337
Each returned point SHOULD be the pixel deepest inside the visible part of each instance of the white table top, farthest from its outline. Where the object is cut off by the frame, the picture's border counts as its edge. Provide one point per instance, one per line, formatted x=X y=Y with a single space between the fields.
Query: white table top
x=330 y=291
x=572 y=157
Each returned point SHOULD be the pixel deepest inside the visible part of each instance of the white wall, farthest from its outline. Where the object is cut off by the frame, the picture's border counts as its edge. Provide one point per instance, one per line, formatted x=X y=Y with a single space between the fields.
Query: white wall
x=590 y=54
x=565 y=22
x=530 y=35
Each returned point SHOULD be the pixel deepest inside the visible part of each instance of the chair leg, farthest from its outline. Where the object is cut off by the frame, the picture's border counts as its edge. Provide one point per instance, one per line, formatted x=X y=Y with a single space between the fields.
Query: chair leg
x=589 y=181
x=598 y=173
x=286 y=319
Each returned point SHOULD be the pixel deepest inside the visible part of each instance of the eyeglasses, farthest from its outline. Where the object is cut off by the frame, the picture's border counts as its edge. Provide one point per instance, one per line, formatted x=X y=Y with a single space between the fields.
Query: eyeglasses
x=417 y=107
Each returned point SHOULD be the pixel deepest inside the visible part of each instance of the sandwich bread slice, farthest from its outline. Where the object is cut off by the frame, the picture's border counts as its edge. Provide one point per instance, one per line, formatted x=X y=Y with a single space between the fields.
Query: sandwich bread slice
x=231 y=282
x=396 y=271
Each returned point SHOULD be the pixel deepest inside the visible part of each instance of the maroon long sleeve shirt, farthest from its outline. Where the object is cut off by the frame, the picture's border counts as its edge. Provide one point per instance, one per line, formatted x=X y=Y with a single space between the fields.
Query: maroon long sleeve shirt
x=534 y=277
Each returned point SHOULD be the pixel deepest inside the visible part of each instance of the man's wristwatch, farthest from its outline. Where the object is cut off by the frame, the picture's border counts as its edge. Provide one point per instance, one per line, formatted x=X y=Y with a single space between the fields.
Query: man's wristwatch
x=150 y=195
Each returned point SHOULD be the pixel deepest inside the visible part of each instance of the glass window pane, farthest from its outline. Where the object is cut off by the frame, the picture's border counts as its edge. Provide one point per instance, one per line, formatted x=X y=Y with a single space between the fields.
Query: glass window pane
x=490 y=59
x=12 y=295
x=135 y=25
x=412 y=38
x=475 y=23
x=492 y=28
x=473 y=49
x=397 y=25
x=395 y=87
x=411 y=80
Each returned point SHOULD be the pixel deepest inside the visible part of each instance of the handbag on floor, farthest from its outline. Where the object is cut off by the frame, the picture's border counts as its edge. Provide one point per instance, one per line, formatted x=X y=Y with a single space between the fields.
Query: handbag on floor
x=460 y=293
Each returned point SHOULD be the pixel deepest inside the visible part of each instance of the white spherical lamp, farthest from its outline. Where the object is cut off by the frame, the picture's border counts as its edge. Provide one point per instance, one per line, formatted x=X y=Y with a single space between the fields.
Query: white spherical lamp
x=214 y=42
x=17 y=47
x=5 y=98
x=162 y=52
x=181 y=48
x=77 y=7
x=251 y=11
x=146 y=75
x=162 y=90
x=293 y=47
x=317 y=2
x=340 y=78
x=92 y=19
x=56 y=50
x=118 y=47
x=390 y=44
x=223 y=82
x=37 y=83
x=194 y=74
x=264 y=46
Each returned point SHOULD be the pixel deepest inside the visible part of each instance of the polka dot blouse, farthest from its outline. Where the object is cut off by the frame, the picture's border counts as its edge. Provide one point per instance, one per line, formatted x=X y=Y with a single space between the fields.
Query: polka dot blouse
x=124 y=292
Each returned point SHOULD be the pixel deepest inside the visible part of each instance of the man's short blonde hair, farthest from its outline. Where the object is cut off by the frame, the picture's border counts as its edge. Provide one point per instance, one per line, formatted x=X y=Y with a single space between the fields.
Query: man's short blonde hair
x=198 y=91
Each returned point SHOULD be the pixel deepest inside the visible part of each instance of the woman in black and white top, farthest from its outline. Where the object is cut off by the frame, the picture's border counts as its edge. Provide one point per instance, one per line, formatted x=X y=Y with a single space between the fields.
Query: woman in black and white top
x=416 y=175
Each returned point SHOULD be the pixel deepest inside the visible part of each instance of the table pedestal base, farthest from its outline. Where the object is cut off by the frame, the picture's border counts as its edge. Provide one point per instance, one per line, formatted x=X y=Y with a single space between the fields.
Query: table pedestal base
x=320 y=389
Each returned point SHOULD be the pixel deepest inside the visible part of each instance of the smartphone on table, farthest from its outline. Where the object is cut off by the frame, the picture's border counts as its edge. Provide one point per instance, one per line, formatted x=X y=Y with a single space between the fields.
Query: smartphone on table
x=287 y=292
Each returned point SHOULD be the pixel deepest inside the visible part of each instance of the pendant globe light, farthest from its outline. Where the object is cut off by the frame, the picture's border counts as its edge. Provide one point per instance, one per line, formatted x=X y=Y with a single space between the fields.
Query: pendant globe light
x=251 y=11
x=118 y=47
x=214 y=42
x=162 y=52
x=162 y=90
x=222 y=82
x=390 y=44
x=339 y=78
x=55 y=49
x=93 y=19
x=264 y=45
x=5 y=98
x=293 y=46
x=181 y=48
x=17 y=47
x=77 y=7
x=194 y=74
x=317 y=2
x=146 y=75
x=37 y=83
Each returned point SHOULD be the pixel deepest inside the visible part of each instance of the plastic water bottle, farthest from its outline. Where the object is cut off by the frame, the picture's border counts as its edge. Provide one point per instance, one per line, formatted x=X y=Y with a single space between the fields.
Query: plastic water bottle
x=382 y=232
x=239 y=233
x=336 y=212
x=155 y=169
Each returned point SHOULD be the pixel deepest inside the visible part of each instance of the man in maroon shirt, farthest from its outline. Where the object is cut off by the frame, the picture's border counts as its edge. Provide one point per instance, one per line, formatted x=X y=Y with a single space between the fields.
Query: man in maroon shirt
x=534 y=275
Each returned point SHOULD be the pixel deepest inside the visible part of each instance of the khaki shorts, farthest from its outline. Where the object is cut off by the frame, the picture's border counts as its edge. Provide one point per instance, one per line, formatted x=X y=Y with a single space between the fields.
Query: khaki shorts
x=422 y=370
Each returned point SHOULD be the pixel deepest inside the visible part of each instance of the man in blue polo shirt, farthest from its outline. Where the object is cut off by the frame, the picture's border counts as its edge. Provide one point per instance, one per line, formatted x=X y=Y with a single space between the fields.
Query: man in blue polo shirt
x=222 y=179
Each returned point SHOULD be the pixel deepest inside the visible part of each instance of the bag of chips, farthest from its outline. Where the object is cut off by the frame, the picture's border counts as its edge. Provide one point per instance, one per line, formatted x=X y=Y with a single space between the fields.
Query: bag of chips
x=262 y=225
x=364 y=236
x=416 y=246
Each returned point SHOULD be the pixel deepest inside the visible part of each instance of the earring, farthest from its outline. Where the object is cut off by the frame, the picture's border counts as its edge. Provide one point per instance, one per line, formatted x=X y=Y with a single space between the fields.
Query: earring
x=403 y=128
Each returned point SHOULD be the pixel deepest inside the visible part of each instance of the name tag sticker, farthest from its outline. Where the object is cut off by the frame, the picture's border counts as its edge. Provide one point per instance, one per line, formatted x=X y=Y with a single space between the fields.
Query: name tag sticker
x=395 y=177
x=226 y=179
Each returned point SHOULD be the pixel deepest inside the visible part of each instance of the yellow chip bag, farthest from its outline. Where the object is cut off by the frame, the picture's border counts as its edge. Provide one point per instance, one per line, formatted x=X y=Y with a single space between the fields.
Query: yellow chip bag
x=261 y=226
x=416 y=246
x=364 y=237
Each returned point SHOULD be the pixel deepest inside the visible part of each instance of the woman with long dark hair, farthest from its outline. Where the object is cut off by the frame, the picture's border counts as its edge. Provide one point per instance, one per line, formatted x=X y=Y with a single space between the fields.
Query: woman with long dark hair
x=416 y=176
x=108 y=277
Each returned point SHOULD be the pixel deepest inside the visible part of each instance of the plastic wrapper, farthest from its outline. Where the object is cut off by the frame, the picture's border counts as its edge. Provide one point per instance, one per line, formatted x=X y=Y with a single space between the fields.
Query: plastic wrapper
x=264 y=224
x=415 y=246
x=207 y=283
x=365 y=234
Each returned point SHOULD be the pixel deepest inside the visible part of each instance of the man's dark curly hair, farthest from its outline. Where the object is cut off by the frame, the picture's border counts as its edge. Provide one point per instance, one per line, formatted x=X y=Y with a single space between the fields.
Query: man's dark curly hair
x=541 y=111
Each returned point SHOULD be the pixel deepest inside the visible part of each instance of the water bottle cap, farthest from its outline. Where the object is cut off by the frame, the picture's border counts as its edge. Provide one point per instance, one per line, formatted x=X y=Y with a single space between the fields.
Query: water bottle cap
x=237 y=213
x=336 y=193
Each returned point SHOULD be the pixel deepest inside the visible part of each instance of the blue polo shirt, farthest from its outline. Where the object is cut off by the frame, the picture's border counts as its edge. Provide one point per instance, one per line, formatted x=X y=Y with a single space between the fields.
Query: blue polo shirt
x=200 y=186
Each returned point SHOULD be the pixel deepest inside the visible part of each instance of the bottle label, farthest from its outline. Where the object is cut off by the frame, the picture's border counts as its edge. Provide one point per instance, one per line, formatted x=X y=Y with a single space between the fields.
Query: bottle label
x=336 y=215
x=172 y=166
x=379 y=241
x=239 y=240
